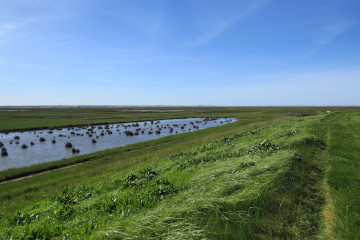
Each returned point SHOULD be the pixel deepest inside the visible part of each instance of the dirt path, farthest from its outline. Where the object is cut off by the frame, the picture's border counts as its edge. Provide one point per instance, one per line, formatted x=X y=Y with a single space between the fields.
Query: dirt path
x=31 y=175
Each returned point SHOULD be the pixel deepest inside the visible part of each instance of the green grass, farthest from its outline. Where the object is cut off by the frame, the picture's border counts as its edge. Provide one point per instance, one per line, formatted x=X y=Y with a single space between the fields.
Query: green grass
x=38 y=118
x=272 y=176
x=227 y=188
x=343 y=176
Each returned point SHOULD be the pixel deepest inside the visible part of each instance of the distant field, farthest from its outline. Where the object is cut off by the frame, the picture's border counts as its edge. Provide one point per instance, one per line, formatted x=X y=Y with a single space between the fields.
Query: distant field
x=32 y=118
x=277 y=173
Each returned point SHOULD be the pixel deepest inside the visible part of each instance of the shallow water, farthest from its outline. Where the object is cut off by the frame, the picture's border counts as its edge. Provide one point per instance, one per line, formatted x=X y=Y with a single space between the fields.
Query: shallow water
x=106 y=137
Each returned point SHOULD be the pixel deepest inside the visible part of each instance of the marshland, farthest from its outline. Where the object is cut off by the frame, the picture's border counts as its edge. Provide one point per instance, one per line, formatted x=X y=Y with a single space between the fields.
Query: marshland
x=274 y=173
x=88 y=139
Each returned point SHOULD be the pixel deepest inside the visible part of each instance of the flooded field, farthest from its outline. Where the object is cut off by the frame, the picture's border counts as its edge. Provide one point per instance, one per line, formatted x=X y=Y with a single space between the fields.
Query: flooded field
x=20 y=149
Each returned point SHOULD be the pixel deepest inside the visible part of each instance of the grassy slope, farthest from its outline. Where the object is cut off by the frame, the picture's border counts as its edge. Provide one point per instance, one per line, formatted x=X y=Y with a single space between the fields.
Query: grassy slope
x=233 y=188
x=105 y=165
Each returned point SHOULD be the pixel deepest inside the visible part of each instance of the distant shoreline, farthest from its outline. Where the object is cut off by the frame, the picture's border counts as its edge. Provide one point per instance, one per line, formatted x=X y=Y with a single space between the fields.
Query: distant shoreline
x=171 y=106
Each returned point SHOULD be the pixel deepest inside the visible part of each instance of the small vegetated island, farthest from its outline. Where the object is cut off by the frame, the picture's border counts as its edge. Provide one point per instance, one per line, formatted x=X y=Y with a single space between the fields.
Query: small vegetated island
x=275 y=173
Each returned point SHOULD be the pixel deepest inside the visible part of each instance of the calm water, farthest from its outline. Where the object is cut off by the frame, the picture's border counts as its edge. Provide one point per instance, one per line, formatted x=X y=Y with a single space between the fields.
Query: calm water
x=83 y=139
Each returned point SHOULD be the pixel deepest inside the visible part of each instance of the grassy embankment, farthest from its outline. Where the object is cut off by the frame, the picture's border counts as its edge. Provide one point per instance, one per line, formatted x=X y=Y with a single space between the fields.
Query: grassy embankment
x=268 y=182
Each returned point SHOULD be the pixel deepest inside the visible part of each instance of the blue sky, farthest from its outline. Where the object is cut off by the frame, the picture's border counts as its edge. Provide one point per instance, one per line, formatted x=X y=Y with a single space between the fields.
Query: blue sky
x=180 y=52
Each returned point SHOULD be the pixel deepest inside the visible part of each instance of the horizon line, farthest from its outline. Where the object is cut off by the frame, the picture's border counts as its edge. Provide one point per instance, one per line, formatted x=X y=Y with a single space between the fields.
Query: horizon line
x=128 y=106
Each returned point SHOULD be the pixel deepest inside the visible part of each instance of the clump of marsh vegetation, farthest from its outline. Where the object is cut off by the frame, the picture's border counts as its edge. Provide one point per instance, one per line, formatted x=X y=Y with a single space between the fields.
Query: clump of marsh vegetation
x=53 y=141
x=68 y=145
x=4 y=152
x=24 y=146
x=93 y=141
x=75 y=150
x=16 y=137
x=42 y=139
x=32 y=143
x=1 y=144
x=129 y=133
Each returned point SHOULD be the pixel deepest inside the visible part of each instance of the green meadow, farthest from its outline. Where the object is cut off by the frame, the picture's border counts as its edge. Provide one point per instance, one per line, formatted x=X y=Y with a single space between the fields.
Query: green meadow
x=276 y=173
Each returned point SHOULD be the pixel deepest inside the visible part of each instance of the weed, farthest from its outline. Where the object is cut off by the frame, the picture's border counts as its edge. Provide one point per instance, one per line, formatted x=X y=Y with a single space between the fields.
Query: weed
x=74 y=195
x=181 y=155
x=264 y=146
x=23 y=218
x=64 y=212
x=314 y=140
x=288 y=133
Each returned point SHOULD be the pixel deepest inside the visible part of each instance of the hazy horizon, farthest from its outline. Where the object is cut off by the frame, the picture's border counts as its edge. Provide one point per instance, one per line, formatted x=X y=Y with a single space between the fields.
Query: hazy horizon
x=173 y=106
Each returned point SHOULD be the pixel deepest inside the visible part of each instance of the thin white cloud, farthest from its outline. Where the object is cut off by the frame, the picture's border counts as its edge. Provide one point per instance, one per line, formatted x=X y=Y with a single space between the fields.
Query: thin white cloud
x=328 y=33
x=7 y=28
x=8 y=31
x=20 y=20
x=224 y=23
x=333 y=30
